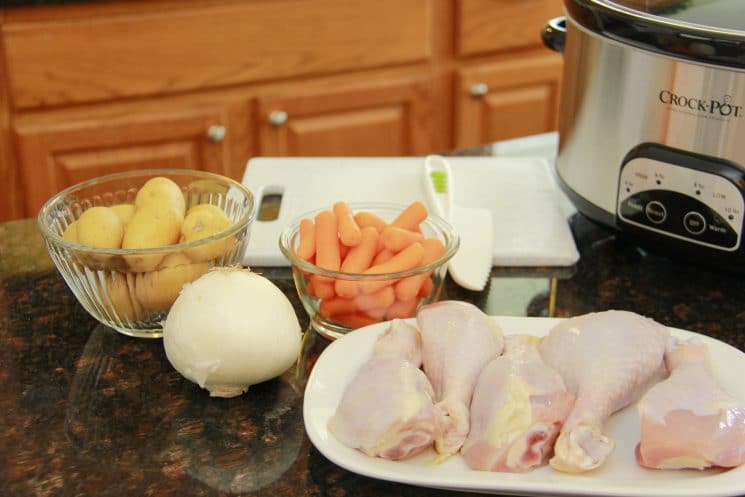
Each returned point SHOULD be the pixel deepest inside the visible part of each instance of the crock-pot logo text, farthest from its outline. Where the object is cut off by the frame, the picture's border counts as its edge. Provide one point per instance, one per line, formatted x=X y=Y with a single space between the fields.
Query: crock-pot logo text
x=719 y=108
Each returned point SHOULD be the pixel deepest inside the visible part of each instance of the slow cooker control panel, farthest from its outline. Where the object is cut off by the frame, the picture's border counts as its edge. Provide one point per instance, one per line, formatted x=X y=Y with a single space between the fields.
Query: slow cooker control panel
x=701 y=207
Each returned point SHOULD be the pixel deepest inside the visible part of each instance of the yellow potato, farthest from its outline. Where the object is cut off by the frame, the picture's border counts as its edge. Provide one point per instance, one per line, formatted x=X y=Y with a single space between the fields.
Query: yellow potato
x=100 y=227
x=203 y=221
x=136 y=305
x=158 y=289
x=121 y=303
x=71 y=232
x=204 y=207
x=124 y=211
x=203 y=191
x=71 y=235
x=150 y=227
x=207 y=186
x=163 y=192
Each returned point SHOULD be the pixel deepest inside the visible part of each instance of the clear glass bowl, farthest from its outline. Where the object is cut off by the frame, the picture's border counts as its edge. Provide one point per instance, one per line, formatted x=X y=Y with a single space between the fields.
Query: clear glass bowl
x=333 y=317
x=107 y=282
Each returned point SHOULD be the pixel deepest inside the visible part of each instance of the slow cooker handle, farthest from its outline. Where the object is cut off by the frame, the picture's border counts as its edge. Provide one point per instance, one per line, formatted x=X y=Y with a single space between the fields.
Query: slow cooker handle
x=554 y=33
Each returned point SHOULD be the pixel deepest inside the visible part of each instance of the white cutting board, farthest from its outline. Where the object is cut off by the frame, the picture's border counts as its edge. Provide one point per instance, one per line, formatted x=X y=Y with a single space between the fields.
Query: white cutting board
x=530 y=228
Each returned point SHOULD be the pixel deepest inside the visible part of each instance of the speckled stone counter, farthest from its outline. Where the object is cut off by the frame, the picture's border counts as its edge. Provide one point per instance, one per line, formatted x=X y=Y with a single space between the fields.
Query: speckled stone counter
x=86 y=411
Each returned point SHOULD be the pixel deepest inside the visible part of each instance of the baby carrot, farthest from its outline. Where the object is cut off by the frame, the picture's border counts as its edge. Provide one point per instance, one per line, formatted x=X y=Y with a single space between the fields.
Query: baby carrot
x=408 y=258
x=307 y=245
x=410 y=217
x=357 y=260
x=433 y=249
x=323 y=287
x=402 y=309
x=327 y=243
x=360 y=257
x=355 y=320
x=427 y=287
x=309 y=287
x=336 y=305
x=408 y=287
x=397 y=239
x=383 y=256
x=378 y=313
x=343 y=251
x=349 y=232
x=372 y=286
x=381 y=298
x=346 y=288
x=364 y=219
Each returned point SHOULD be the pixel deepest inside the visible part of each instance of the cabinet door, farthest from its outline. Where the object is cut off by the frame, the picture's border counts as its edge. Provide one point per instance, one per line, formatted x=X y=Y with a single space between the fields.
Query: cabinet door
x=56 y=154
x=507 y=99
x=484 y=26
x=384 y=119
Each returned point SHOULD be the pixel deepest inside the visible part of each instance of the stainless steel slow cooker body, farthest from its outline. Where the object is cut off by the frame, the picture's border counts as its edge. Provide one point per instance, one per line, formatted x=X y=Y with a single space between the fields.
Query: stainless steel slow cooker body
x=652 y=131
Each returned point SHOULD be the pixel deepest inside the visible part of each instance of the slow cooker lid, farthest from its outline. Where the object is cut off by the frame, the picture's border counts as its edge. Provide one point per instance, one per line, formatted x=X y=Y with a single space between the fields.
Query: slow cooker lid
x=713 y=16
x=710 y=31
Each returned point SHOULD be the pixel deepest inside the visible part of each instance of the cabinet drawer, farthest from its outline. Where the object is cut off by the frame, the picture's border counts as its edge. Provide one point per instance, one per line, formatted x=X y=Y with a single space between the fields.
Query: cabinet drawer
x=105 y=58
x=389 y=118
x=509 y=99
x=497 y=25
x=55 y=155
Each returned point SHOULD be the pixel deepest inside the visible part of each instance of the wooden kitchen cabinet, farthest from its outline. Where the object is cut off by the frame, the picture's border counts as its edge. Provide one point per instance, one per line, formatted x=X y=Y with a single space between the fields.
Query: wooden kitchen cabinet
x=488 y=26
x=137 y=48
x=389 y=118
x=507 y=100
x=91 y=87
x=57 y=153
x=515 y=93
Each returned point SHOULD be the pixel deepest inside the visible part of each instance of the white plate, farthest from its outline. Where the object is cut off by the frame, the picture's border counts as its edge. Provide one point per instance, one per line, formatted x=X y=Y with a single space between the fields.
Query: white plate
x=619 y=476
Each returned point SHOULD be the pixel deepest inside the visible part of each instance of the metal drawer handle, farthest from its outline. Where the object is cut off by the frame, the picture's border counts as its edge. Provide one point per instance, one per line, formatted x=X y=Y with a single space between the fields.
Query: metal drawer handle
x=216 y=133
x=277 y=118
x=478 y=90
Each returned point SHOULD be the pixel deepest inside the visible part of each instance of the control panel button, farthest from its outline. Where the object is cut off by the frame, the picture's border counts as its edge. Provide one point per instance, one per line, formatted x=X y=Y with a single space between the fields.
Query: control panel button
x=635 y=205
x=693 y=199
x=685 y=217
x=655 y=212
x=694 y=223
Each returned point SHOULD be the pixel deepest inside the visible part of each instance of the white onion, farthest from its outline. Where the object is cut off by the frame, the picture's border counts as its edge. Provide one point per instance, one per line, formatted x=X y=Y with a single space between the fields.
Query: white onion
x=229 y=329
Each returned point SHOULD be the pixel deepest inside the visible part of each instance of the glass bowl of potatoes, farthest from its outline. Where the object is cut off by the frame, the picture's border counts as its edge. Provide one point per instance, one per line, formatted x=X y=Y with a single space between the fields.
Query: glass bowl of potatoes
x=126 y=243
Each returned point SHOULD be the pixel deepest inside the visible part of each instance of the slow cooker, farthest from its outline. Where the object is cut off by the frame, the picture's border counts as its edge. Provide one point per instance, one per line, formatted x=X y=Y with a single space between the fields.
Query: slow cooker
x=652 y=121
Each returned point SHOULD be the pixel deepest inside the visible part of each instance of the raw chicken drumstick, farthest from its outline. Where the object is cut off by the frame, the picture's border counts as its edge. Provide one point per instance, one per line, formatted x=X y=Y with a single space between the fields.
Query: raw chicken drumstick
x=607 y=359
x=688 y=420
x=458 y=340
x=387 y=409
x=517 y=410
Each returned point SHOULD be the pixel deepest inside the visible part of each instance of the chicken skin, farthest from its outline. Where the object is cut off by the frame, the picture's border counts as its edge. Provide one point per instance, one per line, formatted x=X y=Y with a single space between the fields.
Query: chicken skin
x=458 y=340
x=688 y=420
x=518 y=408
x=607 y=360
x=387 y=409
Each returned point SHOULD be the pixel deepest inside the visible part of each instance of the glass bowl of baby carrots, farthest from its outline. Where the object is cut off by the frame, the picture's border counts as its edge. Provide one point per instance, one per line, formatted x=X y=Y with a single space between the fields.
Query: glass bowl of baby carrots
x=356 y=264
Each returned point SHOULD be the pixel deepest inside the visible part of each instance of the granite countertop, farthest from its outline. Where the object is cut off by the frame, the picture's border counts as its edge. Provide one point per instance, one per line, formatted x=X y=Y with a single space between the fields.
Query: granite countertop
x=87 y=411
